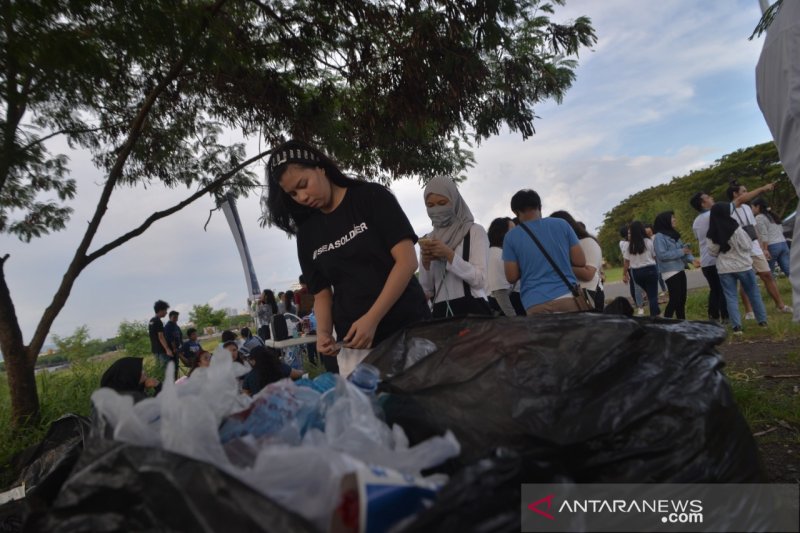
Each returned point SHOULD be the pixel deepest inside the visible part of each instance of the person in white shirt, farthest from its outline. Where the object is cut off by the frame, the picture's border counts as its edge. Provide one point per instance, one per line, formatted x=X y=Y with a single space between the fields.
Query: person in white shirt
x=503 y=296
x=636 y=292
x=732 y=246
x=594 y=260
x=770 y=233
x=741 y=212
x=717 y=307
x=454 y=256
x=640 y=263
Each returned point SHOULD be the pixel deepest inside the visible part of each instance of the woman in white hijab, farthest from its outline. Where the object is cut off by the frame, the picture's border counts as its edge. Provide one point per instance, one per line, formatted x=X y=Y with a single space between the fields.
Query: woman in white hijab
x=454 y=256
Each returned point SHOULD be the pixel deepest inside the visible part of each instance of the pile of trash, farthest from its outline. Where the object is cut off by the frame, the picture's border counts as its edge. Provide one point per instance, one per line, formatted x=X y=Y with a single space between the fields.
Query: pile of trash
x=290 y=443
x=438 y=433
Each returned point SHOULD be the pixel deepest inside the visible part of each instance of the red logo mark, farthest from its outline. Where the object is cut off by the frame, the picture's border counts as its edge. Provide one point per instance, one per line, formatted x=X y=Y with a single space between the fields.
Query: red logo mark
x=534 y=506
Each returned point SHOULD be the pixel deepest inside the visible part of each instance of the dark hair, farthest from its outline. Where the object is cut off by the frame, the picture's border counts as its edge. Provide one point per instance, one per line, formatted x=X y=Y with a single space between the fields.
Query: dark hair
x=638 y=235
x=663 y=224
x=228 y=335
x=619 y=306
x=696 y=201
x=190 y=331
x=289 y=297
x=524 y=200
x=721 y=226
x=173 y=313
x=733 y=187
x=579 y=231
x=766 y=210
x=278 y=208
x=623 y=231
x=497 y=231
x=267 y=368
x=301 y=279
x=160 y=305
x=269 y=299
x=245 y=332
x=196 y=361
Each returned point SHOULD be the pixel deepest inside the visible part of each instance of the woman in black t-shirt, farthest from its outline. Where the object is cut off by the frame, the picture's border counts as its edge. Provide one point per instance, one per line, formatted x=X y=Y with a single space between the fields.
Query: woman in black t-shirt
x=355 y=245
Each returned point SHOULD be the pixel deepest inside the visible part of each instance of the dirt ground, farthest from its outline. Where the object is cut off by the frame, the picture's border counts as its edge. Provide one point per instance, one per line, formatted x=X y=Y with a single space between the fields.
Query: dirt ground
x=772 y=369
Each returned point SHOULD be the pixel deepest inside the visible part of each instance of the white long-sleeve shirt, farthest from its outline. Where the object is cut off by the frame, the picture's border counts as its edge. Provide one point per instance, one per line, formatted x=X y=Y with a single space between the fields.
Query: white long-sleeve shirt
x=446 y=280
x=738 y=258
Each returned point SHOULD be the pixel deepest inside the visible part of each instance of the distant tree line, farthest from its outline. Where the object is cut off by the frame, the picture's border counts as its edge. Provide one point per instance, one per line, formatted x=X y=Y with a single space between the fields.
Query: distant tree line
x=752 y=167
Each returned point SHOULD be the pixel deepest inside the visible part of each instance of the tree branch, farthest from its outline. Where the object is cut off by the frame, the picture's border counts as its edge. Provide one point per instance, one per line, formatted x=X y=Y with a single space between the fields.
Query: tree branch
x=79 y=260
x=60 y=132
x=213 y=186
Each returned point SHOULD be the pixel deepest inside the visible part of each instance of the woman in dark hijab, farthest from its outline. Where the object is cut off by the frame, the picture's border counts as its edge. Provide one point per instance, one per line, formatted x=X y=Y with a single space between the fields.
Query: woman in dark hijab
x=126 y=375
x=267 y=369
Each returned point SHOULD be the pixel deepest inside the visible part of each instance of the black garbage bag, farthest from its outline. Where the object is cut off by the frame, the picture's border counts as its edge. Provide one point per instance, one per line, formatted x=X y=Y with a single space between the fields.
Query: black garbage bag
x=56 y=453
x=592 y=398
x=42 y=468
x=120 y=487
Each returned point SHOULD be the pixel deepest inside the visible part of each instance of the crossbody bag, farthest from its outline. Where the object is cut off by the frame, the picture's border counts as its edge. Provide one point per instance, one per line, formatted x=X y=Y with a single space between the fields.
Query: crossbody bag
x=750 y=229
x=583 y=299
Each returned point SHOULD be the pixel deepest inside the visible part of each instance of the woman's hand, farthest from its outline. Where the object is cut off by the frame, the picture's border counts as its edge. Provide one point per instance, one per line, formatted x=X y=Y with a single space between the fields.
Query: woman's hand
x=625 y=277
x=151 y=383
x=326 y=345
x=361 y=333
x=438 y=250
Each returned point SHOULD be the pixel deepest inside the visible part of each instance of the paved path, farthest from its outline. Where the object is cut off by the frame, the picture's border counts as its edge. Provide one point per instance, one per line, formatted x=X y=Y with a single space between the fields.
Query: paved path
x=694 y=280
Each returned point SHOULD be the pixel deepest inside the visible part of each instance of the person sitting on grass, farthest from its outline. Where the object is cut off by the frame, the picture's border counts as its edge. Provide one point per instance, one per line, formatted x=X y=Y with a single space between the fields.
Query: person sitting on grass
x=127 y=376
x=190 y=348
x=267 y=368
x=733 y=247
x=202 y=360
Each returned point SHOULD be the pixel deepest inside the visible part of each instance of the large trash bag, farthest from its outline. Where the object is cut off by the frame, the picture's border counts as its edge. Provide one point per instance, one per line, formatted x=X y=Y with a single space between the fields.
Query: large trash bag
x=121 y=487
x=42 y=468
x=56 y=452
x=594 y=398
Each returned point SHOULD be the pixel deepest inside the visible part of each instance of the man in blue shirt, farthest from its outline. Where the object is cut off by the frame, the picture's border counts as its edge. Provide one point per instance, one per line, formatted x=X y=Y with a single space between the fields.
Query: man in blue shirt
x=541 y=288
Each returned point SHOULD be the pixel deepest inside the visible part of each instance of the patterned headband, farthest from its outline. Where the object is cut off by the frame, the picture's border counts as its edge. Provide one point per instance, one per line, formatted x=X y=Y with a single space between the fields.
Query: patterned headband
x=292 y=155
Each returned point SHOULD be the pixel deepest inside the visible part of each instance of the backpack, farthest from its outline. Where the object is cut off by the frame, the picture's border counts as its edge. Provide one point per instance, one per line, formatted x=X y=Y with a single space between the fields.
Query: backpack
x=280 y=331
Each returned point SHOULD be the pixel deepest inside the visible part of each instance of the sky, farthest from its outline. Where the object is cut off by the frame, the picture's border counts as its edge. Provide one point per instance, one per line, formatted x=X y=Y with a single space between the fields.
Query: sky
x=668 y=88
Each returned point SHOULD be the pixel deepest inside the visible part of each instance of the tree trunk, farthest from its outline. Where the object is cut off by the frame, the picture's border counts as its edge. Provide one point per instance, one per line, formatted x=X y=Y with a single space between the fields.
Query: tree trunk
x=18 y=359
x=22 y=387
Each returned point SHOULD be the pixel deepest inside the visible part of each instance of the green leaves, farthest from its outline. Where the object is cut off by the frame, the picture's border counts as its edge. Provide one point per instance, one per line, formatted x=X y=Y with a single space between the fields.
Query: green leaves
x=753 y=167
x=389 y=89
x=204 y=315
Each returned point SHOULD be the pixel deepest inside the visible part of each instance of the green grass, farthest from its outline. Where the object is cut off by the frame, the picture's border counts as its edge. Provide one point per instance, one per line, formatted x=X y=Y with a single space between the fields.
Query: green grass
x=613 y=274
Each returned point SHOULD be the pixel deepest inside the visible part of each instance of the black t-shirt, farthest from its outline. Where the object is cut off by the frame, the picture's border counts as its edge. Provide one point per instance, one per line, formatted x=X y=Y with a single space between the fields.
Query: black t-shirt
x=349 y=250
x=154 y=328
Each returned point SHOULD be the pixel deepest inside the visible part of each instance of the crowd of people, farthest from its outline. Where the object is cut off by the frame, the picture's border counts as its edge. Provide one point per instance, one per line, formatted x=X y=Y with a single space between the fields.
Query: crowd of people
x=359 y=285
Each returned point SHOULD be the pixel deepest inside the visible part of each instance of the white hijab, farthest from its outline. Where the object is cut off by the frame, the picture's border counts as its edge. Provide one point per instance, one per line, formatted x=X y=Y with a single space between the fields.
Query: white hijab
x=451 y=222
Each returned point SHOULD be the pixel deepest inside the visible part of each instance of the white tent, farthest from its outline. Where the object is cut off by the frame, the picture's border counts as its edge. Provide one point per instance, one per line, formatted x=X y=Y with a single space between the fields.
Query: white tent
x=778 y=89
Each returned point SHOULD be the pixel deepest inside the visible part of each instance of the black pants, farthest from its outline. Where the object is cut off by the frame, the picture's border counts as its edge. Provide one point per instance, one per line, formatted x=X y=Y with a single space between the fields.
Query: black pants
x=599 y=297
x=717 y=308
x=676 y=285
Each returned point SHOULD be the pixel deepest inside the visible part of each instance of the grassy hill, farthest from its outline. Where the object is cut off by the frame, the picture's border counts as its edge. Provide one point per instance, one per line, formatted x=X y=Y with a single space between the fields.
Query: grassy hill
x=752 y=167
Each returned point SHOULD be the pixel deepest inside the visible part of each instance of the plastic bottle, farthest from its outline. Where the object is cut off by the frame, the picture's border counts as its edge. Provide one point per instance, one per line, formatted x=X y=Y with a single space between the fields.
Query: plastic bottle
x=365 y=377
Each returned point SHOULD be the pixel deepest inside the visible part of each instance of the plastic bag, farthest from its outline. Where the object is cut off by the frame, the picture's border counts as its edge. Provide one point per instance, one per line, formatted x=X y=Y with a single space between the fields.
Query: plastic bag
x=122 y=487
x=598 y=398
x=295 y=455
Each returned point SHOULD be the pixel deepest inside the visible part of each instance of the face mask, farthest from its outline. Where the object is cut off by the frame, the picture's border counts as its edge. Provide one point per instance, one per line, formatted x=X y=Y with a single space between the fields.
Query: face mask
x=441 y=215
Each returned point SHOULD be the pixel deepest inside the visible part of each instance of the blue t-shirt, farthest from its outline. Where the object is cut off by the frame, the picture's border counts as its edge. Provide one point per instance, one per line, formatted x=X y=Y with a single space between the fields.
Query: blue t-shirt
x=539 y=283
